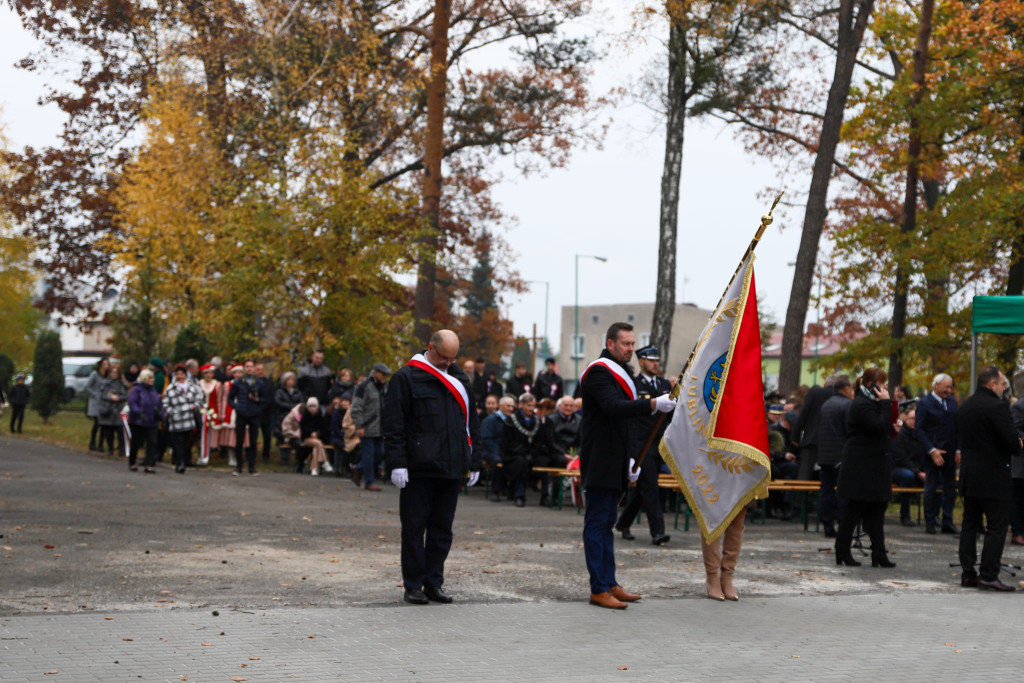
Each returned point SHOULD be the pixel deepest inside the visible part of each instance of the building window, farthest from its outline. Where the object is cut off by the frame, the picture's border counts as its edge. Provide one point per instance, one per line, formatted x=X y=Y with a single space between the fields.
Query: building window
x=595 y=319
x=579 y=345
x=630 y=317
x=645 y=340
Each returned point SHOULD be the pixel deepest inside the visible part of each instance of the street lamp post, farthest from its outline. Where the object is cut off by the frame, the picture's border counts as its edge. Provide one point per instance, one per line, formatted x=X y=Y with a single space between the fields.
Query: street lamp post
x=576 y=314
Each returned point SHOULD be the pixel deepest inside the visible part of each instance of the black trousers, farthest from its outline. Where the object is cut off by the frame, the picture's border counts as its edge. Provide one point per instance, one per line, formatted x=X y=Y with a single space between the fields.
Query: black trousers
x=807 y=458
x=180 y=448
x=266 y=429
x=997 y=514
x=143 y=436
x=872 y=514
x=426 y=508
x=828 y=503
x=253 y=425
x=648 y=496
x=17 y=416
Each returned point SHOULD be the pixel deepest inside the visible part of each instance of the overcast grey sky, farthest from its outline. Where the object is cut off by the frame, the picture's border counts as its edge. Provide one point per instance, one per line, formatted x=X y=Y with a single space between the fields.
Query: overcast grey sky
x=605 y=202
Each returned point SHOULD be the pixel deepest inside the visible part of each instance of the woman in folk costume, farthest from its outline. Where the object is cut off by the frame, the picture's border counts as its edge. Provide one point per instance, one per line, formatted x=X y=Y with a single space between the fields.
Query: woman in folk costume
x=226 y=439
x=210 y=438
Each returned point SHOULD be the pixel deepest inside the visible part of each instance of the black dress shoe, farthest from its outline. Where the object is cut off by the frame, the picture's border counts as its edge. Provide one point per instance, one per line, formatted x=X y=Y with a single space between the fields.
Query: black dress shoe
x=415 y=596
x=846 y=560
x=995 y=585
x=545 y=500
x=830 y=532
x=626 y=533
x=929 y=528
x=436 y=594
x=661 y=540
x=907 y=521
x=969 y=581
x=882 y=561
x=950 y=529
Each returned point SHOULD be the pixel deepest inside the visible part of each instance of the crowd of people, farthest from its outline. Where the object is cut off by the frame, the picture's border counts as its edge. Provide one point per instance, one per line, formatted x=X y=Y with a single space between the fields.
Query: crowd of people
x=859 y=441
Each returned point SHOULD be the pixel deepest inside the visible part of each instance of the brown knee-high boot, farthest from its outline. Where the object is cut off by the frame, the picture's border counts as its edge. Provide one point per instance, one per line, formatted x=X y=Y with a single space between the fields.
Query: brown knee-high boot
x=712 y=565
x=733 y=539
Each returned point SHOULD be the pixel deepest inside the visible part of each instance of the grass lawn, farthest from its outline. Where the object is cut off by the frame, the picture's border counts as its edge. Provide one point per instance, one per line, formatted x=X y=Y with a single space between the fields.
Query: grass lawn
x=68 y=428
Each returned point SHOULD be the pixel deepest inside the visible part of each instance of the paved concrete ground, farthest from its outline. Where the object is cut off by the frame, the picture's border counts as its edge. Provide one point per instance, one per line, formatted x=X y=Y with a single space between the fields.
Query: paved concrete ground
x=112 y=575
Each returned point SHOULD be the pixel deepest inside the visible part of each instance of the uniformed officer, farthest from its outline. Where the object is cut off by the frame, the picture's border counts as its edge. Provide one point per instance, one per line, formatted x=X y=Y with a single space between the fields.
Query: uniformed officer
x=649 y=384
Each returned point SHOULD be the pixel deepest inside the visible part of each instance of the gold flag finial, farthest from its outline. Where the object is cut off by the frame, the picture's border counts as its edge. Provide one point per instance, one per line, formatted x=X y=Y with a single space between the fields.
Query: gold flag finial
x=767 y=219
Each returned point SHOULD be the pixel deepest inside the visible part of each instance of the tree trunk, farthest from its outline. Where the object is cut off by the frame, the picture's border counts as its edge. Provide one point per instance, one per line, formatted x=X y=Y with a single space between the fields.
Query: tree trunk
x=1007 y=354
x=665 y=294
x=423 y=309
x=909 y=224
x=851 y=32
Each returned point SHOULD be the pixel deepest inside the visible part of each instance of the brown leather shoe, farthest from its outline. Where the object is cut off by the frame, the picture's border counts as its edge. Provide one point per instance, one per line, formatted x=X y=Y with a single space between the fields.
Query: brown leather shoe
x=607 y=601
x=372 y=487
x=620 y=593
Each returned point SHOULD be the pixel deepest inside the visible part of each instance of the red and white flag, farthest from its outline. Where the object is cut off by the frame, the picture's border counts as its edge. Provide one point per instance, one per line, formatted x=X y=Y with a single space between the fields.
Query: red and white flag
x=717 y=442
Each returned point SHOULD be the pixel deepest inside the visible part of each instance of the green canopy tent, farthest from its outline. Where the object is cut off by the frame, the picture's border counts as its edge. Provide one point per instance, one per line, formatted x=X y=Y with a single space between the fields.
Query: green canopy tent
x=994 y=315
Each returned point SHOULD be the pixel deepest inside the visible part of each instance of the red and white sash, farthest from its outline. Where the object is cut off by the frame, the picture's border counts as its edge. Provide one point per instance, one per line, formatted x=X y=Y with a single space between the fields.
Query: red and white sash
x=453 y=385
x=624 y=380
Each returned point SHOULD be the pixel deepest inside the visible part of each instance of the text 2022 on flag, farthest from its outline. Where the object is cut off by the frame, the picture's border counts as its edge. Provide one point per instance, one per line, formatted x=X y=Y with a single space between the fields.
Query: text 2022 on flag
x=717 y=442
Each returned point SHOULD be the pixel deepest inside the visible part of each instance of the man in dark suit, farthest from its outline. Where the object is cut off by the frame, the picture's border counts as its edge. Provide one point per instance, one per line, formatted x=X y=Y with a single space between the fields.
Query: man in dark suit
x=649 y=384
x=429 y=426
x=608 y=444
x=988 y=439
x=936 y=429
x=831 y=437
x=805 y=431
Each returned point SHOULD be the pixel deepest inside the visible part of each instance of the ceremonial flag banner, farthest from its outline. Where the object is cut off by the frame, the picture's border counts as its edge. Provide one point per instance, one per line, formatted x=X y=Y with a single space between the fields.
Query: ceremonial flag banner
x=717 y=442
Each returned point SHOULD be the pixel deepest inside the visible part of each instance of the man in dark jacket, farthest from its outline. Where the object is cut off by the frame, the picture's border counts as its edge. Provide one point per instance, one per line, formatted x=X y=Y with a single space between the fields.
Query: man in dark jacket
x=247 y=397
x=367 y=408
x=805 y=431
x=429 y=426
x=20 y=395
x=831 y=435
x=649 y=384
x=987 y=440
x=519 y=383
x=315 y=379
x=549 y=384
x=524 y=444
x=937 y=430
x=907 y=458
x=608 y=443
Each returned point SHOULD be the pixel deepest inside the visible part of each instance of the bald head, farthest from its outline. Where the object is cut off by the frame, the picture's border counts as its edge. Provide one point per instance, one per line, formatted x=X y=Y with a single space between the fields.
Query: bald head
x=443 y=348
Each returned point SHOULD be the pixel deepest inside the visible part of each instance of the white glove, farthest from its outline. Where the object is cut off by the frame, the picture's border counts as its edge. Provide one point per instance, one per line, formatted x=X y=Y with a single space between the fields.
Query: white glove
x=664 y=404
x=400 y=477
x=474 y=477
x=633 y=476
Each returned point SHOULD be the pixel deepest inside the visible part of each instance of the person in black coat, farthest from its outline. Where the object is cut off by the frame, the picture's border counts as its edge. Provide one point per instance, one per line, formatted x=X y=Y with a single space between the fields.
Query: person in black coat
x=519 y=383
x=831 y=437
x=549 y=383
x=805 y=430
x=20 y=395
x=429 y=425
x=908 y=454
x=608 y=443
x=864 y=474
x=988 y=439
x=647 y=493
x=525 y=443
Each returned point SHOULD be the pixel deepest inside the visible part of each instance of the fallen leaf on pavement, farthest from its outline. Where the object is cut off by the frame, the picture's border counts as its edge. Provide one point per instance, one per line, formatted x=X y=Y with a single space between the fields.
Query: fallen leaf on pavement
x=623 y=668
x=206 y=644
x=239 y=678
x=128 y=639
x=51 y=672
x=950 y=644
x=254 y=659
